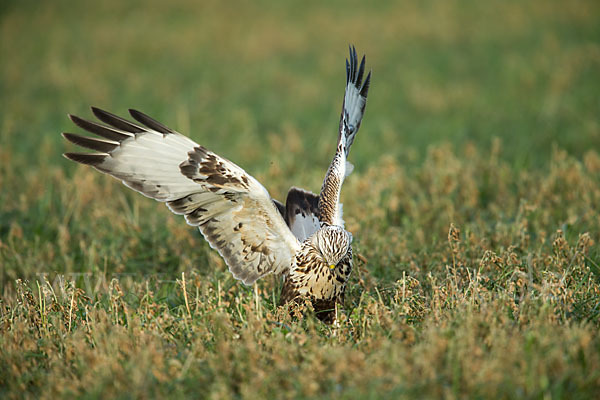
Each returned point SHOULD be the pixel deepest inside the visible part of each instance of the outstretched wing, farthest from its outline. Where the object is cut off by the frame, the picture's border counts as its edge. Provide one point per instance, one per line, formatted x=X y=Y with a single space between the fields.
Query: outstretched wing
x=233 y=210
x=355 y=100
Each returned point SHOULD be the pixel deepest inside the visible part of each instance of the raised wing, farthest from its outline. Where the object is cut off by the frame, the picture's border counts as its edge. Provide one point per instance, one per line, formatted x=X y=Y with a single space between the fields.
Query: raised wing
x=355 y=100
x=233 y=210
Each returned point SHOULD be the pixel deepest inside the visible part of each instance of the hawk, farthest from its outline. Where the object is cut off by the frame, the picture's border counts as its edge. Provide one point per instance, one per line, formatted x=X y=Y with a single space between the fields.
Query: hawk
x=303 y=240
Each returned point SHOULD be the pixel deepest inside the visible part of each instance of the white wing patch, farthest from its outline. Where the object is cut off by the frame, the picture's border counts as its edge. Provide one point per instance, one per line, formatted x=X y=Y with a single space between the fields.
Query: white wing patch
x=149 y=164
x=305 y=226
x=340 y=214
x=349 y=169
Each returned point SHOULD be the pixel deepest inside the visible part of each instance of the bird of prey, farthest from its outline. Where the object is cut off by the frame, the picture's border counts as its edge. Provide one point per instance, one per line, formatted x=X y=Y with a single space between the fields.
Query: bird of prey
x=303 y=240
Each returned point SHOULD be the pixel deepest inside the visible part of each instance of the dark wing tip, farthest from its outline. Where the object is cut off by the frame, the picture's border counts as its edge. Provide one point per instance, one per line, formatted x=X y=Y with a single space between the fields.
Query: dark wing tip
x=361 y=71
x=347 y=71
x=355 y=58
x=88 y=159
x=104 y=146
x=149 y=122
x=76 y=120
x=98 y=112
x=354 y=70
x=364 y=91
x=116 y=121
x=100 y=130
x=353 y=63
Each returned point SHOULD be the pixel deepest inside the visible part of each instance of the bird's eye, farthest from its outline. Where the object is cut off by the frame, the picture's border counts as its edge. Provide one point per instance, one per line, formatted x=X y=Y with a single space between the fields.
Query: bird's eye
x=331 y=266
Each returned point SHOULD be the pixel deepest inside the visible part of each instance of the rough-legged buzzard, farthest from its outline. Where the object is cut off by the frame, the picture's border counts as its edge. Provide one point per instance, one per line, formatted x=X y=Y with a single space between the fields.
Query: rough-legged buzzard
x=303 y=240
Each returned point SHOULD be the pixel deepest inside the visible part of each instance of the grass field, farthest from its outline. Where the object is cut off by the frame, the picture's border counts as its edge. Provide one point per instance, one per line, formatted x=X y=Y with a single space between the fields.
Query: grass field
x=474 y=205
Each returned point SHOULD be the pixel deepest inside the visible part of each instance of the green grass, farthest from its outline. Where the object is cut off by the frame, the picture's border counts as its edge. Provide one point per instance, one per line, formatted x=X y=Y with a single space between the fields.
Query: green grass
x=475 y=201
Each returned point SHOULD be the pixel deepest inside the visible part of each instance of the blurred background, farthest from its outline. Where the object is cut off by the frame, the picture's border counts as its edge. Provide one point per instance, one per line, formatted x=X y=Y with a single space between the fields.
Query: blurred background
x=474 y=205
x=261 y=83
x=233 y=75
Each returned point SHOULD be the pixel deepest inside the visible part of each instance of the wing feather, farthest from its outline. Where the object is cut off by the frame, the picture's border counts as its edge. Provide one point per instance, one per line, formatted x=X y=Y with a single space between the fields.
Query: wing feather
x=355 y=99
x=353 y=108
x=302 y=213
x=233 y=210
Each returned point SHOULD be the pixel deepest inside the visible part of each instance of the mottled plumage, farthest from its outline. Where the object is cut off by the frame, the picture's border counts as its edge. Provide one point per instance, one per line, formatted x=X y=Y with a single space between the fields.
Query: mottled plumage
x=304 y=241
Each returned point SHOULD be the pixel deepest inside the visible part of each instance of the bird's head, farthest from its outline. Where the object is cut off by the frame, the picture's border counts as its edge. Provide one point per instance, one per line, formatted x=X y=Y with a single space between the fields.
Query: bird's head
x=333 y=242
